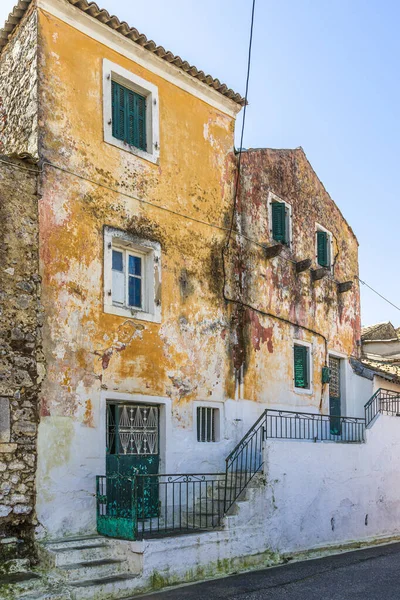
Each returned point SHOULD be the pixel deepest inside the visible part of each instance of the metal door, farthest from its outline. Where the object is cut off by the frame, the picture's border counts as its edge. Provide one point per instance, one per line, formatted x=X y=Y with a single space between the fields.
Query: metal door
x=334 y=396
x=132 y=449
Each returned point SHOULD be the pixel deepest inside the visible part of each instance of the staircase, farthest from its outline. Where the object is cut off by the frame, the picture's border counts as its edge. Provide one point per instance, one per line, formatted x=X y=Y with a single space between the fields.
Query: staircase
x=89 y=567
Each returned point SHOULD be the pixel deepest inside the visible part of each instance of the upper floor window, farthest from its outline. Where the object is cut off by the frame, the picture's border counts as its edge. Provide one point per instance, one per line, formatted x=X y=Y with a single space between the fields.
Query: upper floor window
x=280 y=219
x=132 y=276
x=323 y=247
x=130 y=112
x=302 y=371
x=128 y=116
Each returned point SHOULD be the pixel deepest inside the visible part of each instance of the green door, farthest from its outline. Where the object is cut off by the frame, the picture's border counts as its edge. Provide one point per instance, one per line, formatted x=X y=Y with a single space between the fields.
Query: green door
x=334 y=396
x=132 y=449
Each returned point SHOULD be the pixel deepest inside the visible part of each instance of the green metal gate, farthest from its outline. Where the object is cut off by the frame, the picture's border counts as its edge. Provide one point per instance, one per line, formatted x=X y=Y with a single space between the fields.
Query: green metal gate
x=335 y=408
x=132 y=448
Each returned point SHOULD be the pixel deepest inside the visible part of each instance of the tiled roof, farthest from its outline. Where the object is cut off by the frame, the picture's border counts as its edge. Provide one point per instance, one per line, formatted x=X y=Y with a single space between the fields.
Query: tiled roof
x=384 y=368
x=133 y=34
x=379 y=331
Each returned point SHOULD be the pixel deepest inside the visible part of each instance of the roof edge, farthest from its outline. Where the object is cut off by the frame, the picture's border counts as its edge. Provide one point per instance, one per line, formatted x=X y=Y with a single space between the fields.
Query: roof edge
x=102 y=15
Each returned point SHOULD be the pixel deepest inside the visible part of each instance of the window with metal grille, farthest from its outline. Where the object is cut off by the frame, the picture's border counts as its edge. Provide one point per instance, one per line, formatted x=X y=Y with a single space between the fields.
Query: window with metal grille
x=128 y=116
x=301 y=367
x=207 y=424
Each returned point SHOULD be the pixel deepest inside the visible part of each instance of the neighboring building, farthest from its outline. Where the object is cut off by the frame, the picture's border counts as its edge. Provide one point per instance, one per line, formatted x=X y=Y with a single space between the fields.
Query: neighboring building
x=178 y=316
x=381 y=341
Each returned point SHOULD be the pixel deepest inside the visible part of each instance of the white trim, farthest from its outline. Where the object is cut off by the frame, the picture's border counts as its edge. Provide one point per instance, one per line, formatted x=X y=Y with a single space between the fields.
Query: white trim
x=112 y=39
x=319 y=227
x=308 y=391
x=220 y=432
x=289 y=225
x=115 y=238
x=113 y=72
x=165 y=423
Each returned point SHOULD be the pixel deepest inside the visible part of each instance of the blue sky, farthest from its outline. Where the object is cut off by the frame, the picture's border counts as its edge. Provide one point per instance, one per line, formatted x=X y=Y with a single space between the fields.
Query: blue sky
x=325 y=77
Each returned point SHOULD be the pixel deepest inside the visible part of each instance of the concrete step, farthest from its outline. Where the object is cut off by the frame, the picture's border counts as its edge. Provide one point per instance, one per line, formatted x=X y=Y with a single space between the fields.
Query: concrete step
x=47 y=595
x=94 y=569
x=75 y=542
x=78 y=554
x=117 y=586
x=15 y=585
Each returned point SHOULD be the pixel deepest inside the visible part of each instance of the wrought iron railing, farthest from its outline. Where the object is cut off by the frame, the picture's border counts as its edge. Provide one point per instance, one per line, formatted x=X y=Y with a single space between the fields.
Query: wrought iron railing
x=247 y=457
x=145 y=506
x=383 y=401
x=245 y=460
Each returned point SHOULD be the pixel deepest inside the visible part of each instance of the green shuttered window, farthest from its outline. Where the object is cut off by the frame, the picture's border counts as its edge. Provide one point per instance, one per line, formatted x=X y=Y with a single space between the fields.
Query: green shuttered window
x=128 y=116
x=301 y=368
x=279 y=222
x=323 y=249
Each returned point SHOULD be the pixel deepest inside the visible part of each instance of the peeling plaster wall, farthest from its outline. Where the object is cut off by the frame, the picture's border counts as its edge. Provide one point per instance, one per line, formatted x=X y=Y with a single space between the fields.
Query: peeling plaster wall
x=18 y=89
x=20 y=351
x=205 y=349
x=93 y=356
x=329 y=494
x=272 y=286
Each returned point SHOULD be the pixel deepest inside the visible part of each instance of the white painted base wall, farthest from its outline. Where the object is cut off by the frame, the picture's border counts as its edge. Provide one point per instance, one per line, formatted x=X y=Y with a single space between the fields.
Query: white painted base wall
x=324 y=494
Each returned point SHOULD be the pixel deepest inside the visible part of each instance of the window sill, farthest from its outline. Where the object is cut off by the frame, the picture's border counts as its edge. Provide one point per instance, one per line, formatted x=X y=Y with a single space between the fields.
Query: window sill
x=303 y=391
x=139 y=315
x=153 y=158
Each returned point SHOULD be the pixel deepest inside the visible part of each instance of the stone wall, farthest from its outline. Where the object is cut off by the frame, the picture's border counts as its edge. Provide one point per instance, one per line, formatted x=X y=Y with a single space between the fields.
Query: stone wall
x=18 y=89
x=19 y=352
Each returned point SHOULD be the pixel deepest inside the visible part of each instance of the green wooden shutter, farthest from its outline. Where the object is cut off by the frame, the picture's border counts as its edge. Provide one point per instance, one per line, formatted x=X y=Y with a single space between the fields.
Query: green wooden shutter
x=140 y=110
x=301 y=367
x=118 y=111
x=129 y=116
x=279 y=222
x=322 y=249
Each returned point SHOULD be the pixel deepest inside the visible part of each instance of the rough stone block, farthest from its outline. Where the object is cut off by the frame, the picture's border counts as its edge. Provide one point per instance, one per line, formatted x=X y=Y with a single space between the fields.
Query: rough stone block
x=4 y=420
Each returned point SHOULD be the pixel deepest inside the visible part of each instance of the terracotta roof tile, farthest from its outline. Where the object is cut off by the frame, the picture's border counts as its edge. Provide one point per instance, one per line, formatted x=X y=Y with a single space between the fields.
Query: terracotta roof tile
x=102 y=15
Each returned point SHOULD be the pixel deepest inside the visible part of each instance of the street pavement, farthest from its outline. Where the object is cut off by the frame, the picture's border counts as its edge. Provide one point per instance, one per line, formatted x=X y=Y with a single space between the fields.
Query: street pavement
x=370 y=574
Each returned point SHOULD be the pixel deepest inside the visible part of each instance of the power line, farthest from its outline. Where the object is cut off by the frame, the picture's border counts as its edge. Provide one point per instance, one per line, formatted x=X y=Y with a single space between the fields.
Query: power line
x=242 y=131
x=377 y=293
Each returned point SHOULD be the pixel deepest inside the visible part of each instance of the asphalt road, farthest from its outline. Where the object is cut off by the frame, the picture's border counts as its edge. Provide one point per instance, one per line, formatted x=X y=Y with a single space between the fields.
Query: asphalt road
x=370 y=574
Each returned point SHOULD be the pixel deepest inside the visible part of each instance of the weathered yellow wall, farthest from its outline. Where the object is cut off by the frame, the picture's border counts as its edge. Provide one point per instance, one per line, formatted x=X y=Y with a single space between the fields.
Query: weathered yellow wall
x=185 y=357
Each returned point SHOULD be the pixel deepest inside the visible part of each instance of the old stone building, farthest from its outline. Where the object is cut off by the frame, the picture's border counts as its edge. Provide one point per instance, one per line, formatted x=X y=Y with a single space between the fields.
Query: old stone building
x=180 y=328
x=20 y=353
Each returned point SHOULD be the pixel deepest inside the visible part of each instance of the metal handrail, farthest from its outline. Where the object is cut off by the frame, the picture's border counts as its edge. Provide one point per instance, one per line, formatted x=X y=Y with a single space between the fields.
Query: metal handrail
x=159 y=504
x=383 y=400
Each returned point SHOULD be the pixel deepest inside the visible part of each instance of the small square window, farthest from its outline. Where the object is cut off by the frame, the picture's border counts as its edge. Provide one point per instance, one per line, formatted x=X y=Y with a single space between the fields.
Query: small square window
x=132 y=276
x=301 y=357
x=207 y=424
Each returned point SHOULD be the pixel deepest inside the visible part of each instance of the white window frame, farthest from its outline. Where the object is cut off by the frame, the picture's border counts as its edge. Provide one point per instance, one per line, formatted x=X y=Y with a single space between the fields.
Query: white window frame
x=113 y=72
x=150 y=252
x=309 y=390
x=219 y=432
x=289 y=235
x=319 y=227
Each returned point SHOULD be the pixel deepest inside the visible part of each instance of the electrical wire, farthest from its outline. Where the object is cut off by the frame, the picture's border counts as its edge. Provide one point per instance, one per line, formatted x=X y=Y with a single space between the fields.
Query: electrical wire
x=377 y=293
x=243 y=126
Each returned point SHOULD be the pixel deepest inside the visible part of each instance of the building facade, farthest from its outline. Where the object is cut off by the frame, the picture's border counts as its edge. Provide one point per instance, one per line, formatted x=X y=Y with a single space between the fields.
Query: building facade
x=175 y=308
